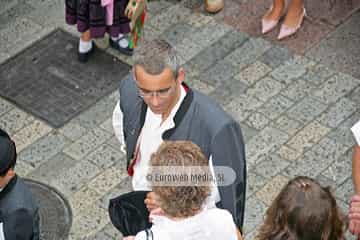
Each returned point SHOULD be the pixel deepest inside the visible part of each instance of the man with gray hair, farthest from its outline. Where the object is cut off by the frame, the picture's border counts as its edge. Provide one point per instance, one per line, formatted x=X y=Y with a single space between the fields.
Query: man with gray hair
x=156 y=105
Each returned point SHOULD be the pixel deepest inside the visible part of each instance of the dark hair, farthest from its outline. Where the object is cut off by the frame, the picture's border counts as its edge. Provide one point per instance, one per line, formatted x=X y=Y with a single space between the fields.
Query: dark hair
x=12 y=163
x=181 y=201
x=303 y=210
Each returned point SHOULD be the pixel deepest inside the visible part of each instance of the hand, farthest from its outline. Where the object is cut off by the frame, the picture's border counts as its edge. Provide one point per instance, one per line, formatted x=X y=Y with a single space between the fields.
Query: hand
x=354 y=215
x=151 y=201
x=131 y=8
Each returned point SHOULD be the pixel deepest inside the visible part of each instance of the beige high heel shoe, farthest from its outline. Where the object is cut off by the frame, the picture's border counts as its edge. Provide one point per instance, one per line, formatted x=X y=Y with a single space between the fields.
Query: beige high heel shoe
x=287 y=31
x=268 y=25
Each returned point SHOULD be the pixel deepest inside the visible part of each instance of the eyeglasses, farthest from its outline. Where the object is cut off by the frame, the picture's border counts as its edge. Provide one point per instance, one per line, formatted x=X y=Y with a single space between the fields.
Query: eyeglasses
x=162 y=93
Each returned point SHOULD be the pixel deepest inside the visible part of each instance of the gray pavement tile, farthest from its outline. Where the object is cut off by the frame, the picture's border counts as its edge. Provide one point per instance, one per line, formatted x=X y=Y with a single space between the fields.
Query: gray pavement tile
x=288 y=153
x=201 y=86
x=326 y=182
x=298 y=90
x=254 y=183
x=74 y=178
x=269 y=192
x=317 y=160
x=107 y=125
x=275 y=106
x=112 y=231
x=113 y=142
x=169 y=17
x=7 y=5
x=105 y=156
x=209 y=33
x=318 y=74
x=355 y=95
x=15 y=9
x=23 y=168
x=5 y=106
x=343 y=134
x=351 y=25
x=89 y=222
x=83 y=199
x=19 y=34
x=265 y=88
x=98 y=113
x=242 y=106
x=248 y=52
x=156 y=7
x=14 y=120
x=254 y=213
x=87 y=143
x=308 y=136
x=230 y=89
x=187 y=49
x=339 y=51
x=101 y=235
x=52 y=168
x=252 y=235
x=292 y=69
x=337 y=113
x=30 y=134
x=268 y=140
x=248 y=132
x=270 y=165
x=253 y=73
x=335 y=88
x=217 y=51
x=177 y=32
x=287 y=125
x=44 y=149
x=124 y=187
x=107 y=180
x=219 y=73
x=340 y=169
x=306 y=110
x=198 y=19
x=275 y=56
x=73 y=130
x=257 y=120
x=345 y=191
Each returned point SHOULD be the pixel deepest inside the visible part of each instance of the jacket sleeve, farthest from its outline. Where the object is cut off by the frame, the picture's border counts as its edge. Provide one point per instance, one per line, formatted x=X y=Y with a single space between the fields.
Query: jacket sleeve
x=227 y=149
x=18 y=225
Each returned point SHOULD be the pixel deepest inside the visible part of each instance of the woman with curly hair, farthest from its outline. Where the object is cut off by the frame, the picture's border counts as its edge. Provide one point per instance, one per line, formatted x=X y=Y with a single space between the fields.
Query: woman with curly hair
x=303 y=210
x=182 y=213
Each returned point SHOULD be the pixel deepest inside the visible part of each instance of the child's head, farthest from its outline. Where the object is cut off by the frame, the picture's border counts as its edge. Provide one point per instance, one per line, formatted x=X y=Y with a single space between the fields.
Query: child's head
x=303 y=210
x=175 y=200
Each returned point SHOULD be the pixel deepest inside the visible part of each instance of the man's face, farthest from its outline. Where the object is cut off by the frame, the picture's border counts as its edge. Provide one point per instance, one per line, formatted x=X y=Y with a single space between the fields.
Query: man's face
x=158 y=91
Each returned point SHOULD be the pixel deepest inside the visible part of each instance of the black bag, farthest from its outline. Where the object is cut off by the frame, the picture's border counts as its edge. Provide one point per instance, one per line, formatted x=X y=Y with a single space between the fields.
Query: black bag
x=128 y=213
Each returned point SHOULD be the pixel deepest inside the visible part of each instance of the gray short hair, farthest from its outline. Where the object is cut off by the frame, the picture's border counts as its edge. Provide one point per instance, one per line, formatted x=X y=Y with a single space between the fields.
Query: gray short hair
x=155 y=55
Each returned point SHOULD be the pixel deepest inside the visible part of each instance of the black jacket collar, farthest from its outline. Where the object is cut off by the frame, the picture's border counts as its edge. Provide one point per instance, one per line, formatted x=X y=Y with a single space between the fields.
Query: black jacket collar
x=184 y=106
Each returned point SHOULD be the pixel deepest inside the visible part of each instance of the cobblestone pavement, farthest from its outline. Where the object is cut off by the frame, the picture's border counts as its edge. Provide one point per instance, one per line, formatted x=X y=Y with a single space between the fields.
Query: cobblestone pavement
x=295 y=113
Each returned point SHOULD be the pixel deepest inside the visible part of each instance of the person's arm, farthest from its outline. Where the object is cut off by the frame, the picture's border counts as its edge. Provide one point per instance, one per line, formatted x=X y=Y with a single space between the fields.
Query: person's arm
x=117 y=121
x=227 y=149
x=19 y=225
x=356 y=168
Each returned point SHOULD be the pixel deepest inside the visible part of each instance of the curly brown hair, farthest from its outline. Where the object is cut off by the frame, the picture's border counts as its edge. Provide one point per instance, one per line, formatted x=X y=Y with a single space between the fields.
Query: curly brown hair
x=303 y=210
x=180 y=201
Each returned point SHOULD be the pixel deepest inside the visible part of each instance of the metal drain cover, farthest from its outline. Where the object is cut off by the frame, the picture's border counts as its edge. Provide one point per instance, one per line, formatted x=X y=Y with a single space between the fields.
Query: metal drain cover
x=48 y=81
x=54 y=210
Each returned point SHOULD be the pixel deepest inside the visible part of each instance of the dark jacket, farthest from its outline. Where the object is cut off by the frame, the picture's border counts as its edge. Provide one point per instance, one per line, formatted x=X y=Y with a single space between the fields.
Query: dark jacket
x=200 y=120
x=18 y=212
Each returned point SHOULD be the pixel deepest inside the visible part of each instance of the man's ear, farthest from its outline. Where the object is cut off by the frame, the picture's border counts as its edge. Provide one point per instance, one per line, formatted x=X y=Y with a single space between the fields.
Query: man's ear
x=181 y=75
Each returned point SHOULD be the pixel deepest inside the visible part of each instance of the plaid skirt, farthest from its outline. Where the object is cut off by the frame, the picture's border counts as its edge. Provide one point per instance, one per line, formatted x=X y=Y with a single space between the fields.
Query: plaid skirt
x=90 y=15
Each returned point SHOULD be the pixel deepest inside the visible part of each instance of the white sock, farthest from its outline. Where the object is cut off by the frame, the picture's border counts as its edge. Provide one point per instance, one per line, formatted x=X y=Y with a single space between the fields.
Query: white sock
x=123 y=43
x=84 y=46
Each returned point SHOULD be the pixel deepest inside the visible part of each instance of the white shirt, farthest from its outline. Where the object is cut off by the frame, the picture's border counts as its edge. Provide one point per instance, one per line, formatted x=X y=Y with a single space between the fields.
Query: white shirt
x=356 y=131
x=215 y=224
x=150 y=140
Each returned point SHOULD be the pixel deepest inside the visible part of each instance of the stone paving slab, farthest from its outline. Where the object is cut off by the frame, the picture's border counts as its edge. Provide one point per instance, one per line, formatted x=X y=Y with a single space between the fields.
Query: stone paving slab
x=295 y=112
